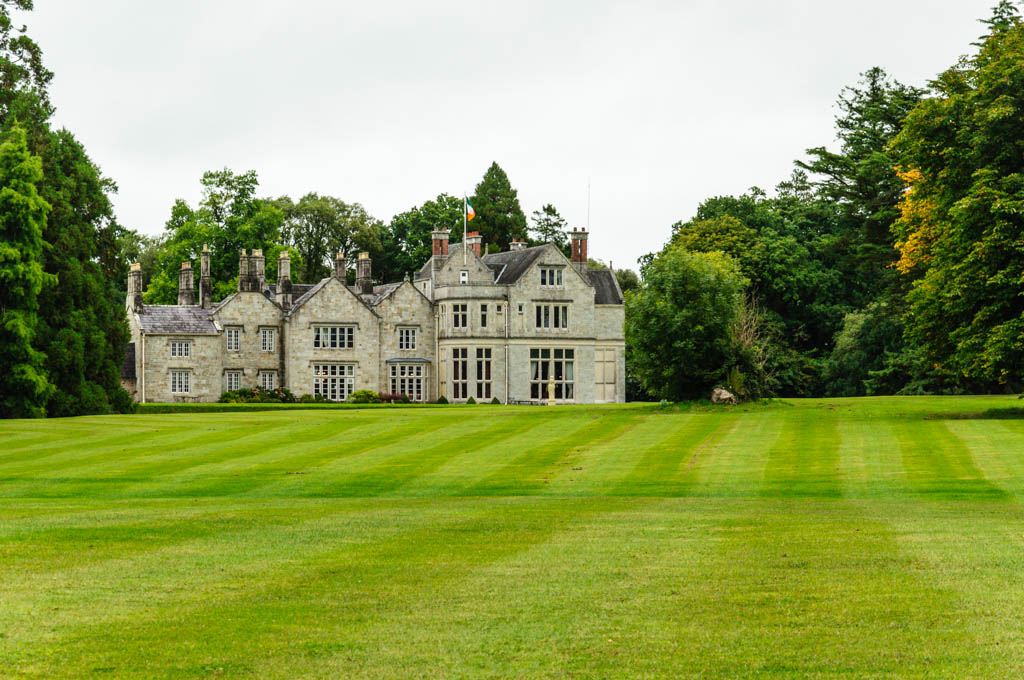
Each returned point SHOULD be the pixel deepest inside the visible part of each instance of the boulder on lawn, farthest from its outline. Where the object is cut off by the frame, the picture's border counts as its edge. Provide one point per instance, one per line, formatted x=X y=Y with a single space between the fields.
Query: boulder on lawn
x=720 y=395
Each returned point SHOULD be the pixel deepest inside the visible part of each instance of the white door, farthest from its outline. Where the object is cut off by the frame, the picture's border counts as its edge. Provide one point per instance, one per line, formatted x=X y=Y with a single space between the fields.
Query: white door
x=604 y=375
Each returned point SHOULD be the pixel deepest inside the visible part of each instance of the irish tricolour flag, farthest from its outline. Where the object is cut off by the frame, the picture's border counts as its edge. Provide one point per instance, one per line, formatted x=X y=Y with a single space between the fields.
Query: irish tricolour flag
x=470 y=213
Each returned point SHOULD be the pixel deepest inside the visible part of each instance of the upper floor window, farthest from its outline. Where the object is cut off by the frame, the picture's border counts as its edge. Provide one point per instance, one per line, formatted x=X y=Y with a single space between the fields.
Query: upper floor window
x=550 y=276
x=460 y=317
x=552 y=316
x=464 y=276
x=406 y=338
x=232 y=338
x=181 y=348
x=483 y=316
x=334 y=337
x=266 y=339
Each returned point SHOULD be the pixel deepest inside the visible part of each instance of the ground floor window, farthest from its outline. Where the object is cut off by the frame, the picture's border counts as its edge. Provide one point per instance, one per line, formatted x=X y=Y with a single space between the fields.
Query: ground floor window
x=460 y=371
x=232 y=380
x=268 y=380
x=180 y=382
x=546 y=364
x=604 y=374
x=333 y=381
x=407 y=379
x=483 y=372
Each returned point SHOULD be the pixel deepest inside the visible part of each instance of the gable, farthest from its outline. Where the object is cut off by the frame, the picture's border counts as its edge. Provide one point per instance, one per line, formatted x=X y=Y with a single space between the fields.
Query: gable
x=249 y=307
x=331 y=300
x=449 y=274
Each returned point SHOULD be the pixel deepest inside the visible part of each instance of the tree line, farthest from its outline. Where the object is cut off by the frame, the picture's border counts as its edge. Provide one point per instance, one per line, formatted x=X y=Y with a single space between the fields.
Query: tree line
x=893 y=264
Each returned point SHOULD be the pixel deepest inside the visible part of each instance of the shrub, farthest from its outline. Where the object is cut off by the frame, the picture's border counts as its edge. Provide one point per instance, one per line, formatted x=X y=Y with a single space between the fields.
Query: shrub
x=363 y=397
x=390 y=398
x=441 y=400
x=495 y=401
x=245 y=395
x=404 y=399
x=471 y=400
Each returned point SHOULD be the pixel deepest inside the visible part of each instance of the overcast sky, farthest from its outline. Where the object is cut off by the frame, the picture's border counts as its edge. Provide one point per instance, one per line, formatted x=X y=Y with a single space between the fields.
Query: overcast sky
x=657 y=105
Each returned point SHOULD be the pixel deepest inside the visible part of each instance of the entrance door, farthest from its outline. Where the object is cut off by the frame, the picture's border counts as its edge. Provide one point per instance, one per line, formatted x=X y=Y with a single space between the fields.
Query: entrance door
x=604 y=375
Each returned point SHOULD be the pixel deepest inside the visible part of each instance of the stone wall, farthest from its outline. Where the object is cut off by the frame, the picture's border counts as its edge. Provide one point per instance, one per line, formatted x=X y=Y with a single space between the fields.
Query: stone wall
x=407 y=308
x=251 y=312
x=203 y=364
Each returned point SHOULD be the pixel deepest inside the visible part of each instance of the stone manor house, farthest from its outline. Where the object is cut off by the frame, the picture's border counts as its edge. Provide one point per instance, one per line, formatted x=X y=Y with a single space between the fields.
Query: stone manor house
x=502 y=325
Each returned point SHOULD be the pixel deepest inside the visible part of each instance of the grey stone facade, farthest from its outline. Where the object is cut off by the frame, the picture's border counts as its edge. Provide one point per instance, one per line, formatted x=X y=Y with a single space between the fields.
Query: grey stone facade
x=512 y=326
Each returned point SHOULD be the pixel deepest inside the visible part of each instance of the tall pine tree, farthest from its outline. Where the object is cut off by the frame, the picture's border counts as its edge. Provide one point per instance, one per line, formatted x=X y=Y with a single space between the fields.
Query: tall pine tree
x=499 y=218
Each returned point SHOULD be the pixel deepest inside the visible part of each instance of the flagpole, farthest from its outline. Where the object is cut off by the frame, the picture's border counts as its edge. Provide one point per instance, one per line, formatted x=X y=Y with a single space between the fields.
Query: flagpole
x=465 y=221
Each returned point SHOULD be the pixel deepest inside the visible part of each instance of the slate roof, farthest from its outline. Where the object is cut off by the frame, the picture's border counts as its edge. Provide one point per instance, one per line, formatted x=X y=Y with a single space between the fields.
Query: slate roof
x=298 y=289
x=301 y=299
x=606 y=288
x=128 y=367
x=380 y=293
x=515 y=262
x=176 y=319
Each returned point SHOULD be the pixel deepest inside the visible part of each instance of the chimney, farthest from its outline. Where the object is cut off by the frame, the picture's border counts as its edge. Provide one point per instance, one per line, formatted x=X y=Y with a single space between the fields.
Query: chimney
x=578 y=238
x=284 y=280
x=339 y=266
x=440 y=242
x=474 y=240
x=205 y=287
x=364 y=280
x=517 y=245
x=243 y=271
x=133 y=300
x=257 y=269
x=186 y=293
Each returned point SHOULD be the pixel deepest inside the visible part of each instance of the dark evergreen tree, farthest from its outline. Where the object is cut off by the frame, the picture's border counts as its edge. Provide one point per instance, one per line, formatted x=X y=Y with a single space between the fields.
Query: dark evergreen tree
x=499 y=218
x=549 y=227
x=24 y=388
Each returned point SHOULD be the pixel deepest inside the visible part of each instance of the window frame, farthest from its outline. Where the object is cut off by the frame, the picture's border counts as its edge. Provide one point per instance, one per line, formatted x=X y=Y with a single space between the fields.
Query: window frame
x=407 y=379
x=233 y=333
x=181 y=349
x=334 y=336
x=484 y=375
x=265 y=345
x=334 y=379
x=230 y=376
x=460 y=370
x=544 y=363
x=179 y=379
x=407 y=338
x=460 y=315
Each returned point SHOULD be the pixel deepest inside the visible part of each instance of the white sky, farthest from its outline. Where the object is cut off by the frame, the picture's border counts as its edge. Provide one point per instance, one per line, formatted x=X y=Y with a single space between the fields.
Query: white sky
x=657 y=104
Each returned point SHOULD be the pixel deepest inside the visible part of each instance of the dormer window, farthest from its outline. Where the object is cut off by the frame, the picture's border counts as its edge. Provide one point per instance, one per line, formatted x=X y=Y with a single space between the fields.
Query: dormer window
x=464 y=276
x=550 y=276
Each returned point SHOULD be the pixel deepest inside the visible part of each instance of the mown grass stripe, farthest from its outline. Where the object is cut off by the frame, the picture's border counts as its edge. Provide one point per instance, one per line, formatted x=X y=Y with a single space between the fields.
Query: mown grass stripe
x=804 y=460
x=939 y=466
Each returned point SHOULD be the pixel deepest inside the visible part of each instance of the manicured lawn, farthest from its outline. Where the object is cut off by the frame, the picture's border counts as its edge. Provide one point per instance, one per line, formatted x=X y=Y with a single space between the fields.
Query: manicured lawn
x=873 y=538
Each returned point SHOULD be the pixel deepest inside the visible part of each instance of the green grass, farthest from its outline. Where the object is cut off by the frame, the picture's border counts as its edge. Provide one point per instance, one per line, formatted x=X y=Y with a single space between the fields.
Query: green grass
x=871 y=538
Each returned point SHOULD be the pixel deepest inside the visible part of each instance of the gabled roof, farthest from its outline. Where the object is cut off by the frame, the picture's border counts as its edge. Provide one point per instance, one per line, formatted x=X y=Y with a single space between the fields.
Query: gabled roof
x=380 y=293
x=513 y=263
x=304 y=298
x=298 y=289
x=606 y=288
x=364 y=299
x=188 y=320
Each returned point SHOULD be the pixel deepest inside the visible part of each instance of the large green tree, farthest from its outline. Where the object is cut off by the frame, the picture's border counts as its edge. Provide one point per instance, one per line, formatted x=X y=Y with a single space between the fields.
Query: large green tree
x=679 y=322
x=962 y=218
x=24 y=388
x=499 y=218
x=549 y=227
x=407 y=239
x=320 y=226
x=81 y=323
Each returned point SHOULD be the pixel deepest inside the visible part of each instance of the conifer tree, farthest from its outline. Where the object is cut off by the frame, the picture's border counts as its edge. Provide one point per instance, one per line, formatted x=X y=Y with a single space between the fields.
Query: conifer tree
x=24 y=388
x=499 y=218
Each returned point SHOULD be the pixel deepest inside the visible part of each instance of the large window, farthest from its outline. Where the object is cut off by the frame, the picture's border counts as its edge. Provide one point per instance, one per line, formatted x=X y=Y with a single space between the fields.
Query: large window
x=407 y=379
x=547 y=364
x=181 y=348
x=267 y=339
x=232 y=338
x=268 y=380
x=459 y=316
x=460 y=377
x=334 y=337
x=551 y=276
x=552 y=316
x=483 y=373
x=180 y=382
x=232 y=380
x=406 y=338
x=333 y=381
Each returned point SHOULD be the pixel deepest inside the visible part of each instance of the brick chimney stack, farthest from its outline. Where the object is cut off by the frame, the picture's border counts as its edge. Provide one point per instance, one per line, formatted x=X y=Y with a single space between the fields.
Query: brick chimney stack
x=439 y=238
x=474 y=240
x=284 y=280
x=186 y=282
x=339 y=266
x=364 y=278
x=205 y=287
x=133 y=300
x=578 y=238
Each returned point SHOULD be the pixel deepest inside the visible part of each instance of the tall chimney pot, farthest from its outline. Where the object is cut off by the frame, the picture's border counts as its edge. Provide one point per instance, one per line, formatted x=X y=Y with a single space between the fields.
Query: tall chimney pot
x=364 y=277
x=186 y=281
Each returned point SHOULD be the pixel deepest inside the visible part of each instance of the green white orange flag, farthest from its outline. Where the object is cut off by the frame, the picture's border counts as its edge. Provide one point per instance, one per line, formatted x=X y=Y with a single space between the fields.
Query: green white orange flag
x=470 y=213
